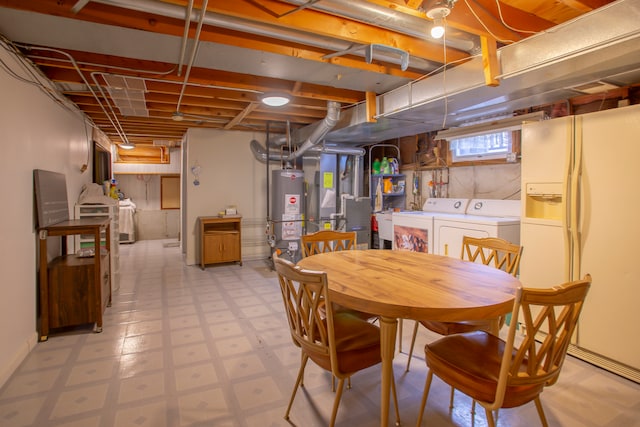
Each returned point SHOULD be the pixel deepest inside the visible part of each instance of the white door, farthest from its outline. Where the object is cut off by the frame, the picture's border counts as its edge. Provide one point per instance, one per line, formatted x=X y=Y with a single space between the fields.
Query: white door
x=546 y=148
x=610 y=230
x=543 y=257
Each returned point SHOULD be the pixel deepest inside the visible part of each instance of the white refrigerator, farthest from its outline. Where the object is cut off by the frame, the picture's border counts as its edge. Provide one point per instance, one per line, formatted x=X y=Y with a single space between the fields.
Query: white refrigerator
x=580 y=214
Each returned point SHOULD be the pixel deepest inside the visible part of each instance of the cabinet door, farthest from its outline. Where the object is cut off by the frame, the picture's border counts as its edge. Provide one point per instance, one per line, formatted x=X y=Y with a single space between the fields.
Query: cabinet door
x=230 y=247
x=212 y=247
x=221 y=247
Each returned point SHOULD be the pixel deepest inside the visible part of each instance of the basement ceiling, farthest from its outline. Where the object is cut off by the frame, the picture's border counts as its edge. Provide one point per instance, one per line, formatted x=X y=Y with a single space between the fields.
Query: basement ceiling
x=128 y=65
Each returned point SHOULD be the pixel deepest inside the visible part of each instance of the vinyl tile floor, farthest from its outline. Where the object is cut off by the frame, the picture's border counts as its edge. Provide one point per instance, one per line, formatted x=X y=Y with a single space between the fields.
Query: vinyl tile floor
x=187 y=347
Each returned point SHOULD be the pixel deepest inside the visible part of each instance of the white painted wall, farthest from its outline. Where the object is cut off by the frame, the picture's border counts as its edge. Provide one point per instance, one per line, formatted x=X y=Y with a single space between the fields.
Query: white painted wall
x=229 y=175
x=37 y=133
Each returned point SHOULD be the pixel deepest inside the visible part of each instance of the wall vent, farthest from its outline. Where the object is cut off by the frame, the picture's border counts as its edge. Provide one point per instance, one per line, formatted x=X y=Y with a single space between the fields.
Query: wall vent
x=595 y=87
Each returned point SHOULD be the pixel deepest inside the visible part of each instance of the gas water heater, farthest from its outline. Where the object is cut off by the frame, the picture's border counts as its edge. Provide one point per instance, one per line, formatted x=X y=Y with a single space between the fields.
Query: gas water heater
x=287 y=211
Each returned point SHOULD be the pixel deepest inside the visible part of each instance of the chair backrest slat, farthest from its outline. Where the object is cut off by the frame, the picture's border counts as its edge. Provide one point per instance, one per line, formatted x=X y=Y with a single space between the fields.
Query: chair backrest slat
x=549 y=318
x=327 y=241
x=303 y=293
x=492 y=251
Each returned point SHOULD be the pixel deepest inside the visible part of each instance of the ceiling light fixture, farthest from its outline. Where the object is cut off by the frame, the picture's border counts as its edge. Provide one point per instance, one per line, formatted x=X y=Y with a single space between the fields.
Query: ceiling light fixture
x=127 y=145
x=275 y=99
x=438 y=12
x=177 y=116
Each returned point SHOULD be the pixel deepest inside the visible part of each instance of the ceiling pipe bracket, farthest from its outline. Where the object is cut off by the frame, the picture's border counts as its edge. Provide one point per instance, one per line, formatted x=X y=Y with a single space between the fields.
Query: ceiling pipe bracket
x=404 y=56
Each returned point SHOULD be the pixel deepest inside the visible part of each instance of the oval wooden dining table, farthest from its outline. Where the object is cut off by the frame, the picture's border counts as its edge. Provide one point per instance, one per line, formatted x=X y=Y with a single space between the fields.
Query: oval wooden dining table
x=412 y=285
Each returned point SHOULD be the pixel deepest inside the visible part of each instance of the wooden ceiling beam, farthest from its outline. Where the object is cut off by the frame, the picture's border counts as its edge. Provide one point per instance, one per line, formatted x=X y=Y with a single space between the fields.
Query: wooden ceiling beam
x=126 y=18
x=325 y=25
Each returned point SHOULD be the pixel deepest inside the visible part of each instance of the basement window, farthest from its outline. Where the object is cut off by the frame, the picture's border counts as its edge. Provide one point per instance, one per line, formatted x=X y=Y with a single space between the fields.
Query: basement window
x=489 y=146
x=493 y=140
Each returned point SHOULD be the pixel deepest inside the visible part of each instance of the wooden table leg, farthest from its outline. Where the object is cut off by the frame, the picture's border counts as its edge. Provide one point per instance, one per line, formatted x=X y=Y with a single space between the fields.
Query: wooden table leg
x=388 y=326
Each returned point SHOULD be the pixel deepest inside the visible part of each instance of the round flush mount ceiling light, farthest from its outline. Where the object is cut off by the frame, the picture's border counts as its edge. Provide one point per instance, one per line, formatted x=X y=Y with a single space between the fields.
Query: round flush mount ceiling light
x=127 y=145
x=275 y=99
x=177 y=116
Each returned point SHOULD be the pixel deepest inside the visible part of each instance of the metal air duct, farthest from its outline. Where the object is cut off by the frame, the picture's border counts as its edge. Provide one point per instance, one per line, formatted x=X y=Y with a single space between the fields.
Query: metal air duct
x=600 y=46
x=308 y=139
x=385 y=17
x=252 y=27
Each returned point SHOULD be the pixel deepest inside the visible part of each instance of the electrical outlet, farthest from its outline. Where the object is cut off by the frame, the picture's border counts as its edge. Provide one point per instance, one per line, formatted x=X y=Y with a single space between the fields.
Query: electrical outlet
x=511 y=157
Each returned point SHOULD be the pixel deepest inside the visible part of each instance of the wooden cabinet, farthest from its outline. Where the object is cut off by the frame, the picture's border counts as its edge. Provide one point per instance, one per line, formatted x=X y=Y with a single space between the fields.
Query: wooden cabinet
x=71 y=300
x=220 y=240
x=86 y=241
x=74 y=290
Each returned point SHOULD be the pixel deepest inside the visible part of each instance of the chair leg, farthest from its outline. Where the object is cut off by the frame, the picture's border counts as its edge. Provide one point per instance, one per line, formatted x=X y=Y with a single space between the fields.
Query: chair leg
x=543 y=419
x=490 y=421
x=303 y=363
x=427 y=386
x=395 y=400
x=400 y=322
x=336 y=402
x=453 y=390
x=413 y=342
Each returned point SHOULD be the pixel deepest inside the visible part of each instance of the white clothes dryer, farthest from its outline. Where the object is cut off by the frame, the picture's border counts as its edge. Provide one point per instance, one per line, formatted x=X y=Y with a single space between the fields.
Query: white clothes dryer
x=483 y=218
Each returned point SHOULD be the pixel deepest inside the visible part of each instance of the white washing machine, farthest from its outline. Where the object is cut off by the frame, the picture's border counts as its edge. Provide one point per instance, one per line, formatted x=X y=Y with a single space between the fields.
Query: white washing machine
x=413 y=230
x=483 y=218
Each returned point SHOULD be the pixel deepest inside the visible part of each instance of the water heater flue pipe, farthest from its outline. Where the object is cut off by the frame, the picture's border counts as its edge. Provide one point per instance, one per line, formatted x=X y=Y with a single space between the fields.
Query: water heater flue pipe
x=310 y=144
x=321 y=129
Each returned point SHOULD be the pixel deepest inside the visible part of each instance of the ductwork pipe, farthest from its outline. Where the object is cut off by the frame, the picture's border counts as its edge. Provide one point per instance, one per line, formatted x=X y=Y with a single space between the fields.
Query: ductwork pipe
x=385 y=17
x=261 y=29
x=310 y=148
x=320 y=130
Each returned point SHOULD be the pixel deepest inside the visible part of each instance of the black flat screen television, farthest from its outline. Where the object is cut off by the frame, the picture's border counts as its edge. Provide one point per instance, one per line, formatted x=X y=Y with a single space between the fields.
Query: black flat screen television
x=101 y=164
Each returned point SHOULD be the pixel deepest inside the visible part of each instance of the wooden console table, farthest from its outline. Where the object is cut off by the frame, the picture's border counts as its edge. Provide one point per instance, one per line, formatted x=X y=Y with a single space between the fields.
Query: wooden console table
x=220 y=240
x=74 y=290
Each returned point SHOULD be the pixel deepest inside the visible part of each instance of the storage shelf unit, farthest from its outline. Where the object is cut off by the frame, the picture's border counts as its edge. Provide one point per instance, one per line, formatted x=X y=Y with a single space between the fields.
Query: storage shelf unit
x=74 y=290
x=86 y=240
x=394 y=199
x=220 y=240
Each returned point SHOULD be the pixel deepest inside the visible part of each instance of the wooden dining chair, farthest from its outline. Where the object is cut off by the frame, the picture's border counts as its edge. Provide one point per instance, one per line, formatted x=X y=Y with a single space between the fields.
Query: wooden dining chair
x=492 y=251
x=327 y=241
x=332 y=241
x=338 y=342
x=499 y=374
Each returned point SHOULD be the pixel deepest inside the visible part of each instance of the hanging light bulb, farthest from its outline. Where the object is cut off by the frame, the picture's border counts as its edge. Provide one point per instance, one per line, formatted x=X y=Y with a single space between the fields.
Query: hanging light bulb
x=437 y=31
x=438 y=14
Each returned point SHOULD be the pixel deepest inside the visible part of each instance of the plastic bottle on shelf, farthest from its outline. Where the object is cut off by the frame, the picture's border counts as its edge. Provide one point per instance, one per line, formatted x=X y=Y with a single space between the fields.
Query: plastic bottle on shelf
x=376 y=166
x=113 y=191
x=384 y=166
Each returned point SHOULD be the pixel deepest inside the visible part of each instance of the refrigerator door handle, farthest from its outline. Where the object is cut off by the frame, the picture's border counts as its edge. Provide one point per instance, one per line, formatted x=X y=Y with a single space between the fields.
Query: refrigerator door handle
x=566 y=220
x=575 y=201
